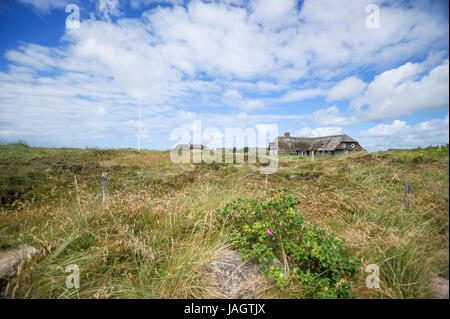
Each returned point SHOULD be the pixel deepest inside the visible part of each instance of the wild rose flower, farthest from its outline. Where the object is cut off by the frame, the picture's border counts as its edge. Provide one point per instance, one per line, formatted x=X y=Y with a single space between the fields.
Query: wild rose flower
x=269 y=232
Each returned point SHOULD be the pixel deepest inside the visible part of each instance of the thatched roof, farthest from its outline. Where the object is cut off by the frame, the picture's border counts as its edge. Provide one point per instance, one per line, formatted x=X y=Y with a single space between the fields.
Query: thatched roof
x=324 y=143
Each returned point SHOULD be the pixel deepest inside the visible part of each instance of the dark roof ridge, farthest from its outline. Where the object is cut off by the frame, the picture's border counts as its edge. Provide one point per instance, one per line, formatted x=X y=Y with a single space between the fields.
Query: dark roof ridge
x=317 y=137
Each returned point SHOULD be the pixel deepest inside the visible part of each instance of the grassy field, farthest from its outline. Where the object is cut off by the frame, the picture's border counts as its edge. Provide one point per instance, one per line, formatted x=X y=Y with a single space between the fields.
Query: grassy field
x=160 y=227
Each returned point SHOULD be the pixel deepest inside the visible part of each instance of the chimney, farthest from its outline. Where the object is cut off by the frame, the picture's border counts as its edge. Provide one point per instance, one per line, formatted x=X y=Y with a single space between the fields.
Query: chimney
x=287 y=135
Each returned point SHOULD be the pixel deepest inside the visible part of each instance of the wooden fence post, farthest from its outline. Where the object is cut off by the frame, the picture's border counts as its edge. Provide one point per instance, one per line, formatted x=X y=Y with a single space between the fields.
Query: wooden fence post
x=408 y=193
x=105 y=187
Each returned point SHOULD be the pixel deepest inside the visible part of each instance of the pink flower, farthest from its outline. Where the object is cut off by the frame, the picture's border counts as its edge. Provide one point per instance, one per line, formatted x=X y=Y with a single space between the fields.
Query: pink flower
x=269 y=232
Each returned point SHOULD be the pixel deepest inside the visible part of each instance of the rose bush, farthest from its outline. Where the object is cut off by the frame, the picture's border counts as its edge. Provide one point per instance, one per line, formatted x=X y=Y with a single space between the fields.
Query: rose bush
x=271 y=229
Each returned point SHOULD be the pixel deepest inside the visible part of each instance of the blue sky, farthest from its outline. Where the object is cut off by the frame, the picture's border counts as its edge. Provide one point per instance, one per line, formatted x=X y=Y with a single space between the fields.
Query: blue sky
x=311 y=67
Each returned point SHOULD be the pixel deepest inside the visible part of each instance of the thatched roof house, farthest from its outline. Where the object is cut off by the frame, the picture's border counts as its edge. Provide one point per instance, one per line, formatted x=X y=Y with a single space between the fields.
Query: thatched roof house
x=191 y=147
x=330 y=145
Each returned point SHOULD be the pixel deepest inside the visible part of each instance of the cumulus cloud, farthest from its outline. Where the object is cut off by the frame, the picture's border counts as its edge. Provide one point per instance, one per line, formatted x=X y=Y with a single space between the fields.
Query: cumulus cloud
x=337 y=33
x=347 y=89
x=400 y=91
x=137 y=4
x=319 y=131
x=399 y=134
x=226 y=41
x=331 y=116
x=273 y=13
x=233 y=98
x=211 y=54
x=299 y=95
x=405 y=90
x=108 y=8
x=384 y=130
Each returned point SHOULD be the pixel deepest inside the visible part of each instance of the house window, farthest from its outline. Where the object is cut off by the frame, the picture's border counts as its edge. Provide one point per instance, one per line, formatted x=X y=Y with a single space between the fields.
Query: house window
x=344 y=145
x=353 y=145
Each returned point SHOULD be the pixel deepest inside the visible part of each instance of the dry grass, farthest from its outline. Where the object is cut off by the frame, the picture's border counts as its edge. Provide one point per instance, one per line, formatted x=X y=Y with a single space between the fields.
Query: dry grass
x=159 y=229
x=144 y=159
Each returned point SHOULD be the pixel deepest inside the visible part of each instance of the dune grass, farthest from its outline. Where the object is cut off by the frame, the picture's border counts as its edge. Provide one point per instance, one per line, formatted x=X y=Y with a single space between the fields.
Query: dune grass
x=160 y=229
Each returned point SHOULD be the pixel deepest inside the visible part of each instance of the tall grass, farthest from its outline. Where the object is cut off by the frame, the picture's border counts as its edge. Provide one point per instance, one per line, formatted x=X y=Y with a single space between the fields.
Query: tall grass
x=159 y=230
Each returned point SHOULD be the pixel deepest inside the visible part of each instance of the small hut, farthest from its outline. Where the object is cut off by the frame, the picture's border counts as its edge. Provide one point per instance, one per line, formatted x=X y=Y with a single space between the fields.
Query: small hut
x=321 y=146
x=191 y=146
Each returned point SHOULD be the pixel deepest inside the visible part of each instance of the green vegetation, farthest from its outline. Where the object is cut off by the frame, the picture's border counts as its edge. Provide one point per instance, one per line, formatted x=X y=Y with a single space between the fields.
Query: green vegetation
x=159 y=229
x=270 y=229
x=295 y=157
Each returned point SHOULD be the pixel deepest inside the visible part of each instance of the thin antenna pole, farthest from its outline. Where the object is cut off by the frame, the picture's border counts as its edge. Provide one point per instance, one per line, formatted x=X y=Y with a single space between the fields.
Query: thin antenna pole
x=139 y=123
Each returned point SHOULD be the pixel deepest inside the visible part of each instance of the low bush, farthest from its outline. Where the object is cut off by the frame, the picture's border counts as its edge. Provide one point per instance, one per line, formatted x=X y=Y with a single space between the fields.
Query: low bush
x=271 y=229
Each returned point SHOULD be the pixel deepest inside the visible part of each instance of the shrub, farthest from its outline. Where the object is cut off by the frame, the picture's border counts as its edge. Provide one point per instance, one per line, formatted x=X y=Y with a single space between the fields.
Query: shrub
x=269 y=229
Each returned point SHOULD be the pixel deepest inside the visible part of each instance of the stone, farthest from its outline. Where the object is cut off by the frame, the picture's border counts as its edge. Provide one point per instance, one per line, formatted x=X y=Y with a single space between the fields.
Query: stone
x=439 y=286
x=11 y=259
x=304 y=177
x=229 y=278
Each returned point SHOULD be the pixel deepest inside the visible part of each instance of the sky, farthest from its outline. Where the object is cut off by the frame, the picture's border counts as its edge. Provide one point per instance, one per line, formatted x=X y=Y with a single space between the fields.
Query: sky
x=377 y=71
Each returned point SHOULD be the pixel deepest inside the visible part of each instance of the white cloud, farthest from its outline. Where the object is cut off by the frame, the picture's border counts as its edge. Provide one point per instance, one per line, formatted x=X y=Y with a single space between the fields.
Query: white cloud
x=44 y=6
x=400 y=135
x=181 y=57
x=319 y=131
x=331 y=116
x=273 y=13
x=386 y=130
x=262 y=87
x=137 y=4
x=403 y=91
x=393 y=93
x=108 y=8
x=234 y=99
x=228 y=42
x=346 y=89
x=299 y=95
x=338 y=36
x=253 y=105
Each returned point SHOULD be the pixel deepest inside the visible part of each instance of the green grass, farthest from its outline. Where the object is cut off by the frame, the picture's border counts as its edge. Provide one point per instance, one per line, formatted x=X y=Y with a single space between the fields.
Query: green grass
x=160 y=228
x=295 y=157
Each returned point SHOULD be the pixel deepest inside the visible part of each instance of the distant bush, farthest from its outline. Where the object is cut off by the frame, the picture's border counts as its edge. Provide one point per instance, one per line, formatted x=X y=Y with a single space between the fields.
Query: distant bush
x=265 y=230
x=19 y=146
x=419 y=155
